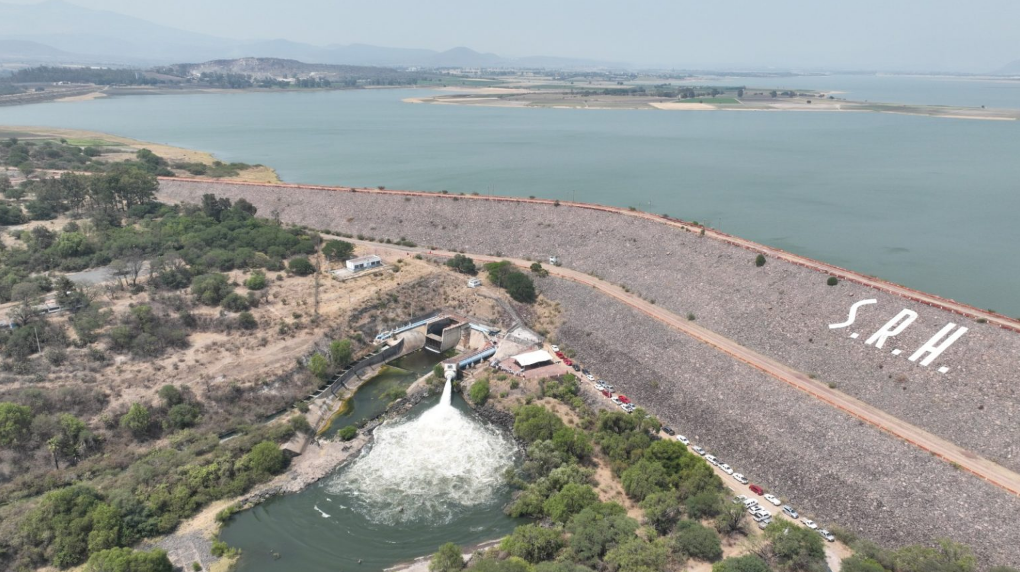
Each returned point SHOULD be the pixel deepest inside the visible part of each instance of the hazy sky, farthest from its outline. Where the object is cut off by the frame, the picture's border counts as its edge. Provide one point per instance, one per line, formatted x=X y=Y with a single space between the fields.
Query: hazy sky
x=979 y=35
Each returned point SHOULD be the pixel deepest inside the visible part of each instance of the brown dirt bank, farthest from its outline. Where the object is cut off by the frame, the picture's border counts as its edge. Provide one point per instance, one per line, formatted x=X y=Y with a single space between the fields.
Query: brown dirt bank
x=827 y=464
x=781 y=310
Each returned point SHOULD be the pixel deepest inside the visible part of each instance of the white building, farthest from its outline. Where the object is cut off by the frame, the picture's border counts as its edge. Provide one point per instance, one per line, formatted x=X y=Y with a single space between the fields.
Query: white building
x=363 y=263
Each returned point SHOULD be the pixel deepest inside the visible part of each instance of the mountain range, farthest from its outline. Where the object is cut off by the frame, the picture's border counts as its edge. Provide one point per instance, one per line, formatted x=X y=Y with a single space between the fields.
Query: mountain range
x=55 y=31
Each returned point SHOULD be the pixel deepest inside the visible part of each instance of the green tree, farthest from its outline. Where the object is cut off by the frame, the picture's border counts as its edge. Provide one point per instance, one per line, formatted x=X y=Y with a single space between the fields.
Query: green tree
x=318 y=365
x=337 y=250
x=63 y=523
x=257 y=281
x=861 y=563
x=533 y=543
x=597 y=529
x=170 y=395
x=234 y=302
x=462 y=264
x=662 y=510
x=247 y=321
x=570 y=500
x=948 y=556
x=520 y=287
x=759 y=260
x=479 y=391
x=128 y=560
x=447 y=559
x=15 y=425
x=705 y=504
x=211 y=289
x=182 y=416
x=749 y=563
x=644 y=478
x=347 y=433
x=138 y=420
x=265 y=459
x=638 y=555
x=730 y=519
x=832 y=281
x=535 y=423
x=341 y=352
x=799 y=548
x=696 y=541
x=301 y=266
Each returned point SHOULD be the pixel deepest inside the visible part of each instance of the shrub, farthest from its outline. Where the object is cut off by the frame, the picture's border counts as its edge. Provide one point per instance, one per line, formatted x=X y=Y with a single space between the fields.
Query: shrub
x=338 y=250
x=170 y=395
x=759 y=261
x=15 y=425
x=265 y=459
x=697 y=541
x=462 y=264
x=570 y=500
x=301 y=266
x=832 y=281
x=447 y=559
x=706 y=504
x=182 y=416
x=129 y=560
x=138 y=420
x=235 y=302
x=300 y=424
x=318 y=366
x=257 y=281
x=749 y=563
x=246 y=321
x=211 y=289
x=644 y=478
x=532 y=543
x=347 y=433
x=479 y=392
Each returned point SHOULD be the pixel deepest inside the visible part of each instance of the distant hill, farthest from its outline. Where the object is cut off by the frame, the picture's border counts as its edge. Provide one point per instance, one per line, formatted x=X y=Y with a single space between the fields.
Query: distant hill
x=1012 y=68
x=55 y=31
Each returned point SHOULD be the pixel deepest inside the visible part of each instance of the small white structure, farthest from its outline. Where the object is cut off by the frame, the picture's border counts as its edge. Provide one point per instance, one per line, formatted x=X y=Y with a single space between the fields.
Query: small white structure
x=364 y=263
x=537 y=357
x=474 y=283
x=553 y=260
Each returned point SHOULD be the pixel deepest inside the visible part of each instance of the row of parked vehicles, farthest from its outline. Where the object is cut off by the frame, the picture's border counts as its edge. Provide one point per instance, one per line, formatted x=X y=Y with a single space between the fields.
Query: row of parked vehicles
x=759 y=513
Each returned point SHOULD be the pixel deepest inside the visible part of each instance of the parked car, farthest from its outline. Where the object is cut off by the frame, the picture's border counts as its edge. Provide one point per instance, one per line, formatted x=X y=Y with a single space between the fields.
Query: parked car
x=555 y=349
x=726 y=469
x=809 y=523
x=712 y=459
x=750 y=503
x=789 y=511
x=585 y=372
x=566 y=361
x=617 y=401
x=589 y=376
x=609 y=386
x=765 y=523
x=606 y=393
x=624 y=399
x=683 y=439
x=668 y=430
x=772 y=499
x=756 y=489
x=739 y=499
x=827 y=535
x=629 y=407
x=762 y=516
x=740 y=478
x=560 y=355
x=698 y=450
x=576 y=367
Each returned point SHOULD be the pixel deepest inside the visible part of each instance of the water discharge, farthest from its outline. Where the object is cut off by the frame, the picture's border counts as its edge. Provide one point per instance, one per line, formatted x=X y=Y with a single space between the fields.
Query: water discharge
x=427 y=469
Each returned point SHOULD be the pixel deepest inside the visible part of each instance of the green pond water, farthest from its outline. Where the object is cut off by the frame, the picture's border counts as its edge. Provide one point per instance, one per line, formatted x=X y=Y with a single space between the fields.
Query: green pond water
x=414 y=488
x=927 y=202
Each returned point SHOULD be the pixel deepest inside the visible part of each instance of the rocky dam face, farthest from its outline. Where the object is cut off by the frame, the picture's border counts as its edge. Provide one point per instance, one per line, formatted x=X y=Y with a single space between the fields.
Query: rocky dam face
x=950 y=375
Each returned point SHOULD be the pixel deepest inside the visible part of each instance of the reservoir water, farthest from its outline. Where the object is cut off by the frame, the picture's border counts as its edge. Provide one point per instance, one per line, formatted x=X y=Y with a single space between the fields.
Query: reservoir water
x=927 y=202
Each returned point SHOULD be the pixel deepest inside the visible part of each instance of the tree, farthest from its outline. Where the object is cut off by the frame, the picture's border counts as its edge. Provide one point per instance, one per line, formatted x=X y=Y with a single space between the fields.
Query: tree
x=211 y=289
x=247 y=321
x=182 y=416
x=800 y=548
x=705 y=504
x=749 y=563
x=347 y=433
x=662 y=510
x=447 y=559
x=257 y=281
x=532 y=543
x=948 y=556
x=138 y=420
x=170 y=395
x=861 y=563
x=570 y=500
x=638 y=555
x=15 y=425
x=759 y=260
x=520 y=287
x=129 y=560
x=234 y=302
x=479 y=392
x=832 y=281
x=730 y=519
x=598 y=528
x=72 y=441
x=68 y=522
x=341 y=352
x=697 y=541
x=644 y=478
x=535 y=423
x=265 y=459
x=301 y=266
x=462 y=264
x=318 y=366
x=337 y=250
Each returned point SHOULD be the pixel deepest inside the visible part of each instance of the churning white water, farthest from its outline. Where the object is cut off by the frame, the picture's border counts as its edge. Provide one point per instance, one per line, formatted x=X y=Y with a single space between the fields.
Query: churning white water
x=426 y=468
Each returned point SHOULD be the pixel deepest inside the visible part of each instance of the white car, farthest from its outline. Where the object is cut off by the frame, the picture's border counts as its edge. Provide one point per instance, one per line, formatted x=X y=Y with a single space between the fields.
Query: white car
x=750 y=503
x=726 y=469
x=555 y=348
x=608 y=386
x=809 y=523
x=683 y=439
x=827 y=535
x=617 y=401
x=772 y=499
x=739 y=499
x=629 y=407
x=589 y=376
x=790 y=512
x=698 y=450
x=740 y=478
x=762 y=516
x=712 y=459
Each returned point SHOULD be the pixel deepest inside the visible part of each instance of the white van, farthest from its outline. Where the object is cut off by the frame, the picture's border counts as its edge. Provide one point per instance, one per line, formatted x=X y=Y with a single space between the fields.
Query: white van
x=474 y=283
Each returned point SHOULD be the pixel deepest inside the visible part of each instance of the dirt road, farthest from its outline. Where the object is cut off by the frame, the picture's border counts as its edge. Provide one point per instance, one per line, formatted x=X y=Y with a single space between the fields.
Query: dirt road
x=945 y=450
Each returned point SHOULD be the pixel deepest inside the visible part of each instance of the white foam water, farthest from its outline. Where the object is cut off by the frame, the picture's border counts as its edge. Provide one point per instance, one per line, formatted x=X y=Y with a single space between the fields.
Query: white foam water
x=426 y=468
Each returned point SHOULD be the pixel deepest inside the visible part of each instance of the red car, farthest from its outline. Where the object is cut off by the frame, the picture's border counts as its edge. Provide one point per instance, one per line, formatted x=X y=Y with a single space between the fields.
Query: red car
x=567 y=361
x=560 y=355
x=756 y=489
x=606 y=393
x=623 y=399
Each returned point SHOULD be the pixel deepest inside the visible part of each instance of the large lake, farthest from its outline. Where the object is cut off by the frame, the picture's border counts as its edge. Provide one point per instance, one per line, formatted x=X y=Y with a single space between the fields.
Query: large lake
x=930 y=203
